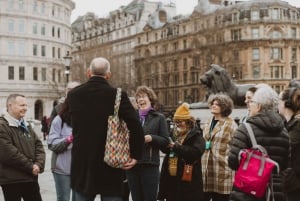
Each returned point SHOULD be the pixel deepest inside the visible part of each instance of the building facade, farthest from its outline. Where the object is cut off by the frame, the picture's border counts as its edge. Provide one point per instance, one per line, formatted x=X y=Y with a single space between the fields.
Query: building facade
x=255 y=41
x=35 y=35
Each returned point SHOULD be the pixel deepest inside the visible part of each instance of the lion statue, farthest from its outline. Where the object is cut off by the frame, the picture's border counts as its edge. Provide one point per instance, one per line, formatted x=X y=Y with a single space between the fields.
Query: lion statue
x=216 y=80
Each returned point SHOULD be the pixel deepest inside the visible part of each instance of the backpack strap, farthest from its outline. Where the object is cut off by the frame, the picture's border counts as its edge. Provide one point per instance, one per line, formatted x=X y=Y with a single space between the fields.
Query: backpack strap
x=253 y=140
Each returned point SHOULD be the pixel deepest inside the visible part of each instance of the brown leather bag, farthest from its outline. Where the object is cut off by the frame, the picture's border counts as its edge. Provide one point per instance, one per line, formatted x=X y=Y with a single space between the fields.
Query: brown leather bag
x=187 y=172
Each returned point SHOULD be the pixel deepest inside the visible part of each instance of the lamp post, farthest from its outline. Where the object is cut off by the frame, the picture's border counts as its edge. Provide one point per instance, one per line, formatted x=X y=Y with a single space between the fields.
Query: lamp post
x=68 y=60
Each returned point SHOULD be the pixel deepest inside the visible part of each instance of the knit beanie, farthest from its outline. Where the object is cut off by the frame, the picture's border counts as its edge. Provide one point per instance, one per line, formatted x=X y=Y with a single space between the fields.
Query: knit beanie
x=183 y=112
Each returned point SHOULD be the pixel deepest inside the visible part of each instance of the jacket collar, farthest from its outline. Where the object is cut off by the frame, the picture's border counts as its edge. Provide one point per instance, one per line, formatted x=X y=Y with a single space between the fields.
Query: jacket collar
x=12 y=121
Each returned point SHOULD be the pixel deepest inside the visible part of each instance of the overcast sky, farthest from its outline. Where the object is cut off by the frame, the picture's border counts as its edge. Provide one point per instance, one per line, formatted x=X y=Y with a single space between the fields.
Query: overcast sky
x=102 y=7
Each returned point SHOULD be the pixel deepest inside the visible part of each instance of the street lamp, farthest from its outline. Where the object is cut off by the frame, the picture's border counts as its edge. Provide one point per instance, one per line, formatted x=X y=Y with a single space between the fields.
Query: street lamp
x=68 y=60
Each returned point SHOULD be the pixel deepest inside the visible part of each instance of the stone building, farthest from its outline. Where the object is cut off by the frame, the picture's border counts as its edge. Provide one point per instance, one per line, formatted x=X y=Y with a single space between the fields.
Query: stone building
x=35 y=35
x=255 y=41
x=114 y=38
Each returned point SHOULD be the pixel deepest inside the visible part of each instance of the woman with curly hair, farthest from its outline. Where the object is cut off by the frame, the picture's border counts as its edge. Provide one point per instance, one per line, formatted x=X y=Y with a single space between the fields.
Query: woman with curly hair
x=216 y=174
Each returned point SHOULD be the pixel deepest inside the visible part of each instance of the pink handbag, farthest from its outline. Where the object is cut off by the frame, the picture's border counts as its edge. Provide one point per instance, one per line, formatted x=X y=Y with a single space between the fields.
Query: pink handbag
x=255 y=171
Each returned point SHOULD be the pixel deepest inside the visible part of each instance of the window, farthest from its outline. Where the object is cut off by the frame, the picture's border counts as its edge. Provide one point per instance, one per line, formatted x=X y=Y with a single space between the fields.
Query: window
x=43 y=74
x=185 y=63
x=35 y=73
x=53 y=75
x=185 y=78
x=275 y=15
x=43 y=29
x=21 y=73
x=11 y=48
x=53 y=31
x=235 y=17
x=58 y=53
x=255 y=33
x=235 y=34
x=276 y=72
x=11 y=26
x=34 y=28
x=43 y=8
x=276 y=53
x=58 y=32
x=255 y=54
x=35 y=50
x=256 y=72
x=21 y=26
x=10 y=4
x=294 y=72
x=275 y=34
x=21 y=4
x=254 y=15
x=293 y=32
x=11 y=72
x=59 y=76
x=22 y=48
x=236 y=55
x=53 y=52
x=43 y=50
x=184 y=44
x=294 y=54
x=35 y=7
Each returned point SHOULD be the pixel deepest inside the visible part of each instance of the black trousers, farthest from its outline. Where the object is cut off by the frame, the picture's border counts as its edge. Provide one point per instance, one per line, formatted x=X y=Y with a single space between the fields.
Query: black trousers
x=29 y=191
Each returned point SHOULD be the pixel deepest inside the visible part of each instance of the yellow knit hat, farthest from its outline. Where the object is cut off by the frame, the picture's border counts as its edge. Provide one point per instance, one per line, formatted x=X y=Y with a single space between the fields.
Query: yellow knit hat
x=183 y=112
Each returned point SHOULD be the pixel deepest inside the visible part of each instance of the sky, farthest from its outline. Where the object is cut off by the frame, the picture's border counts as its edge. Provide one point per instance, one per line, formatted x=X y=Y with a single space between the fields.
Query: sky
x=102 y=7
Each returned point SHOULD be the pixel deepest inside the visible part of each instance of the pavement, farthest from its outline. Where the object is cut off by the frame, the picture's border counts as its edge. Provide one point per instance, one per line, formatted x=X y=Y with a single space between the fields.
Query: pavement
x=46 y=180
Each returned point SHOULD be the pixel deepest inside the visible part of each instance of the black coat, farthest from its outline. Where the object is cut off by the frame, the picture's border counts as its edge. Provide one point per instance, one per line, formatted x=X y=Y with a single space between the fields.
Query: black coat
x=90 y=104
x=190 y=152
x=270 y=133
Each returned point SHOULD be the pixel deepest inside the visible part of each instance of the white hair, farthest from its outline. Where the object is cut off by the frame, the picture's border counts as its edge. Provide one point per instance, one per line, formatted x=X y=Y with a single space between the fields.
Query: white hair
x=267 y=98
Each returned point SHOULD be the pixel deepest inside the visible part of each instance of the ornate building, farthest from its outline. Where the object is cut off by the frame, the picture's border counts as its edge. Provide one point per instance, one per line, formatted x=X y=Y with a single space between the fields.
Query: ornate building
x=255 y=41
x=35 y=35
x=114 y=38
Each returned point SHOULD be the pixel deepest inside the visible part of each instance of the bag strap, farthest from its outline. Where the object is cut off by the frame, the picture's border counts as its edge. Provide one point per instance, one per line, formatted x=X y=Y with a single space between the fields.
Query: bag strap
x=251 y=134
x=117 y=101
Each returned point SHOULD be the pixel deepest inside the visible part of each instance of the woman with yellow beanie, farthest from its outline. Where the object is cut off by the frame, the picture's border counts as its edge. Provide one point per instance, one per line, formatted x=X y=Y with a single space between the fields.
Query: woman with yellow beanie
x=181 y=176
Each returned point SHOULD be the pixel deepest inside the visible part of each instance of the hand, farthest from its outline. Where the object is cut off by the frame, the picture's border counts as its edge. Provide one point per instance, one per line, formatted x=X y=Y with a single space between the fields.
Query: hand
x=35 y=169
x=148 y=138
x=171 y=145
x=69 y=139
x=129 y=164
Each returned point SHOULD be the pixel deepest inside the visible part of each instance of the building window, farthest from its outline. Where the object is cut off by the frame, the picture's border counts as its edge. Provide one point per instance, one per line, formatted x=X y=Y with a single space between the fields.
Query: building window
x=255 y=33
x=21 y=4
x=235 y=17
x=11 y=26
x=256 y=72
x=53 y=75
x=34 y=28
x=275 y=34
x=294 y=54
x=11 y=48
x=43 y=50
x=21 y=48
x=11 y=72
x=254 y=15
x=236 y=55
x=294 y=72
x=58 y=53
x=43 y=8
x=59 y=76
x=275 y=14
x=58 y=32
x=35 y=50
x=43 y=74
x=185 y=64
x=35 y=73
x=185 y=78
x=293 y=32
x=276 y=72
x=53 y=31
x=255 y=54
x=21 y=26
x=276 y=53
x=43 y=30
x=21 y=73
x=35 y=7
x=10 y=4
x=53 y=52
x=236 y=35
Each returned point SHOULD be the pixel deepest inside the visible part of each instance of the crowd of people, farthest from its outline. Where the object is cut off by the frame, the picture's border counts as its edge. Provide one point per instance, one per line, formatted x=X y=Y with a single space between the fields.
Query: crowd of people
x=199 y=163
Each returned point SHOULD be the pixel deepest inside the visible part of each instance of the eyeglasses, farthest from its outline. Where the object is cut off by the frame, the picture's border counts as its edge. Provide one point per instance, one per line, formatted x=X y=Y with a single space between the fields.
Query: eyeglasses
x=252 y=102
x=177 y=122
x=141 y=96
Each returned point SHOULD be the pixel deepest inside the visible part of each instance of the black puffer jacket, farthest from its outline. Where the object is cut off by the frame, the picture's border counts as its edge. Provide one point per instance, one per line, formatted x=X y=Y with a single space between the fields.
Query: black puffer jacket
x=269 y=132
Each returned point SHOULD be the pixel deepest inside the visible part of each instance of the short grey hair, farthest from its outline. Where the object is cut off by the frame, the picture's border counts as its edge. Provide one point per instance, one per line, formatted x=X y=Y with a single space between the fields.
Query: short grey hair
x=267 y=98
x=12 y=98
x=100 y=66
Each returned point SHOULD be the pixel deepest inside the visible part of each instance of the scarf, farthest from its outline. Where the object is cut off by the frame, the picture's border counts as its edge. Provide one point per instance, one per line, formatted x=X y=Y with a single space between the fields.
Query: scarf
x=144 y=113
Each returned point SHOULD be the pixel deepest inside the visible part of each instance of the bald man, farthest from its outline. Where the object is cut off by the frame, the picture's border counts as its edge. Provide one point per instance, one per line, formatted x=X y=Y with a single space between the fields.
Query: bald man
x=90 y=105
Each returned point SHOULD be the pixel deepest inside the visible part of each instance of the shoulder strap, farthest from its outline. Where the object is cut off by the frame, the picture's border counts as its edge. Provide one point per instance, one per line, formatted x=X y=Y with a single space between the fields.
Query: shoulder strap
x=251 y=134
x=117 y=101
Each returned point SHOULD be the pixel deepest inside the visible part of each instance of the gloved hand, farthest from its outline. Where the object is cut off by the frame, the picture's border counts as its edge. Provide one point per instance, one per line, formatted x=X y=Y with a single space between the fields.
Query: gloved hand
x=69 y=139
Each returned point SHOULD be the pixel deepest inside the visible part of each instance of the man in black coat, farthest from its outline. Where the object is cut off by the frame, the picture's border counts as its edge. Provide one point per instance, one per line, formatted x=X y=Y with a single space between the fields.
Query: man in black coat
x=90 y=105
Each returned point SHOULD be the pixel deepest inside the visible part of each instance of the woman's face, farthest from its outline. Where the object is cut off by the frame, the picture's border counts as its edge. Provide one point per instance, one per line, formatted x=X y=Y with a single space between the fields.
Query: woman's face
x=143 y=101
x=215 y=108
x=248 y=97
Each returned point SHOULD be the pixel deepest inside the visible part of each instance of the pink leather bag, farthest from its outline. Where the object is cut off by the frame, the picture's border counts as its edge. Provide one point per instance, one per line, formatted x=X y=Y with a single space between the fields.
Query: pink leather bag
x=254 y=173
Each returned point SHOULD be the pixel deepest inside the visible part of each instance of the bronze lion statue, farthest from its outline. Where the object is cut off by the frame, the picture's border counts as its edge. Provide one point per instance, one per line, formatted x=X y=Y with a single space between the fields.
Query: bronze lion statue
x=216 y=80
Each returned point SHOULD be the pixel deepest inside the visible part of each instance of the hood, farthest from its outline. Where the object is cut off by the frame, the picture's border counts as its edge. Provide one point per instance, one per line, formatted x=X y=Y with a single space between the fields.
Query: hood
x=268 y=121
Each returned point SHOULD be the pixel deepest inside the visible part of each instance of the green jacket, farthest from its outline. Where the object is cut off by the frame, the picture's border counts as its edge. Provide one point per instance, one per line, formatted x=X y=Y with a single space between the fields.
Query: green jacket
x=19 y=151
